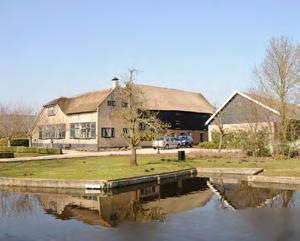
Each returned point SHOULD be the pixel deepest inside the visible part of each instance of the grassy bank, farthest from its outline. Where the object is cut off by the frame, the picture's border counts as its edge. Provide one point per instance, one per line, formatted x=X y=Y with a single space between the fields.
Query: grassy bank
x=114 y=167
x=19 y=154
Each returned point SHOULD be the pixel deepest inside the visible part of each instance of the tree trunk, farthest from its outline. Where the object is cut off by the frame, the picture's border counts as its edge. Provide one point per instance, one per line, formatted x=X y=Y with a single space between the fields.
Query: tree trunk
x=133 y=156
x=9 y=142
x=30 y=141
x=220 y=142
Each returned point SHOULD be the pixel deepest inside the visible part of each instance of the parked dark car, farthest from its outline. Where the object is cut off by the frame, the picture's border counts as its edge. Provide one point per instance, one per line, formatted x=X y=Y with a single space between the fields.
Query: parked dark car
x=186 y=141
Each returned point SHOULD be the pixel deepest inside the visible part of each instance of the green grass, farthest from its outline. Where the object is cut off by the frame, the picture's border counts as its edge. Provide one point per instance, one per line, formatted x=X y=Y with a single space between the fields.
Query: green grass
x=18 y=154
x=114 y=167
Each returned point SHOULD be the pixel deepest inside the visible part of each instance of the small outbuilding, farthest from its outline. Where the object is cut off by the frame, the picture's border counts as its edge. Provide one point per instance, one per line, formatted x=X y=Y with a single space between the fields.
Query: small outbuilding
x=243 y=111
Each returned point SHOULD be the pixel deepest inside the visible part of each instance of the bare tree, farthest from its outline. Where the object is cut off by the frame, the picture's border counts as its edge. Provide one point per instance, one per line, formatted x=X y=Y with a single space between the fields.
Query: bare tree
x=9 y=122
x=278 y=77
x=26 y=121
x=219 y=122
x=16 y=121
x=142 y=124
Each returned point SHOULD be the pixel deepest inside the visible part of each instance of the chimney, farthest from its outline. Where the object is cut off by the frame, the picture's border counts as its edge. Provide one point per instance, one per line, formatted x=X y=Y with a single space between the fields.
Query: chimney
x=115 y=82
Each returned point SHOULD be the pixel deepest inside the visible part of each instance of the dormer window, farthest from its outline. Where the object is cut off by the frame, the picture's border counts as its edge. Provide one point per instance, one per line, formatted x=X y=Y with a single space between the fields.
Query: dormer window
x=111 y=103
x=51 y=110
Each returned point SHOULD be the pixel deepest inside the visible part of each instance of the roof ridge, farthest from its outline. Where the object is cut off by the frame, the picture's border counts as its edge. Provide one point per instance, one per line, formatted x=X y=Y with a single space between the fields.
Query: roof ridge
x=89 y=92
x=188 y=91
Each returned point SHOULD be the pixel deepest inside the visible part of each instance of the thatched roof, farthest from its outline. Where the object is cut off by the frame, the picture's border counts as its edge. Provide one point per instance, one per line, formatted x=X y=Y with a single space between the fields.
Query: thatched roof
x=156 y=98
x=84 y=103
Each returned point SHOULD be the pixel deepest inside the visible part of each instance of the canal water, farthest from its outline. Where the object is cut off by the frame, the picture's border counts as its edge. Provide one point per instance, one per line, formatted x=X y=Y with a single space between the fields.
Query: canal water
x=186 y=209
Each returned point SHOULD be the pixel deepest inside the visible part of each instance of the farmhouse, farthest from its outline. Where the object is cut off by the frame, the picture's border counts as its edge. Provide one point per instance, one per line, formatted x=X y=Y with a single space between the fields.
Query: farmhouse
x=89 y=121
x=243 y=111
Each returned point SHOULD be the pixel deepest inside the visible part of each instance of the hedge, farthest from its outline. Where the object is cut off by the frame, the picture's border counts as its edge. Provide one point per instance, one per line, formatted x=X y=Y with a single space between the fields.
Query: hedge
x=208 y=145
x=22 y=149
x=3 y=142
x=15 y=142
x=7 y=154
x=252 y=144
x=20 y=142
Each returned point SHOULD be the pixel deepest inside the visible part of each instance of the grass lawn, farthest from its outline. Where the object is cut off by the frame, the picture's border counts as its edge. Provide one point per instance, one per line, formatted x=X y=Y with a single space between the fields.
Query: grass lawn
x=18 y=154
x=114 y=167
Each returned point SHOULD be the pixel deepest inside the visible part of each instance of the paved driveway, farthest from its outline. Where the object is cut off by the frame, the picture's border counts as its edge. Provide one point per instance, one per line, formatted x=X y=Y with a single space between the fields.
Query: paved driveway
x=144 y=151
x=73 y=154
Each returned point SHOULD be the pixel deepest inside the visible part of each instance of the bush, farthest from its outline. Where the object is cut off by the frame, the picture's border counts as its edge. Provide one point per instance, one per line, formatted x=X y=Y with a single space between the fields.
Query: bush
x=38 y=150
x=3 y=142
x=20 y=142
x=231 y=140
x=285 y=150
x=255 y=144
x=7 y=154
x=22 y=149
x=208 y=145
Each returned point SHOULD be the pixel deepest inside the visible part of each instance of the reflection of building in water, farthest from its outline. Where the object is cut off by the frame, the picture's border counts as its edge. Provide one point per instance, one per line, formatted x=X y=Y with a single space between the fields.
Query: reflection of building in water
x=155 y=202
x=239 y=195
x=149 y=202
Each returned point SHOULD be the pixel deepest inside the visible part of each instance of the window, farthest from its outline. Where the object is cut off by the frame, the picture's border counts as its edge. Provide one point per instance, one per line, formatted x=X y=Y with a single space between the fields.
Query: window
x=125 y=131
x=40 y=133
x=52 y=132
x=108 y=132
x=85 y=130
x=51 y=110
x=111 y=103
x=202 y=137
x=124 y=104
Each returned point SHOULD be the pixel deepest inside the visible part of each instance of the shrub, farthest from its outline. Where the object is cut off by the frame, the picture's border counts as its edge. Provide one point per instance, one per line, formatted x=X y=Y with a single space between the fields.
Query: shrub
x=5 y=149
x=20 y=142
x=255 y=144
x=3 y=142
x=7 y=154
x=38 y=150
x=285 y=150
x=22 y=149
x=230 y=141
x=208 y=145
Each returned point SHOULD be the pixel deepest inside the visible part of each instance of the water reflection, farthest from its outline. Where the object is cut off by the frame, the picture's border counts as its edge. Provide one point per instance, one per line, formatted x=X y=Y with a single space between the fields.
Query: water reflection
x=14 y=204
x=139 y=204
x=235 y=194
x=149 y=202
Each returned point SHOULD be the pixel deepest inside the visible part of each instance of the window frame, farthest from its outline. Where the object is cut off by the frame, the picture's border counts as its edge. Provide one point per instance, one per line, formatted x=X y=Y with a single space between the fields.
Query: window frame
x=51 y=110
x=53 y=131
x=104 y=134
x=83 y=130
x=125 y=131
x=111 y=103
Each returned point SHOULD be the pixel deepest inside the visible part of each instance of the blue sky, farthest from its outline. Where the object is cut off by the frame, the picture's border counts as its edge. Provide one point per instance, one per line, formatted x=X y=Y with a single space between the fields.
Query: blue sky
x=64 y=47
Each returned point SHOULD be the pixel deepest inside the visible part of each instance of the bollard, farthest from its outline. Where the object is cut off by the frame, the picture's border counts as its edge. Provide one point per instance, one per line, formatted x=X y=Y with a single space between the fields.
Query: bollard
x=181 y=155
